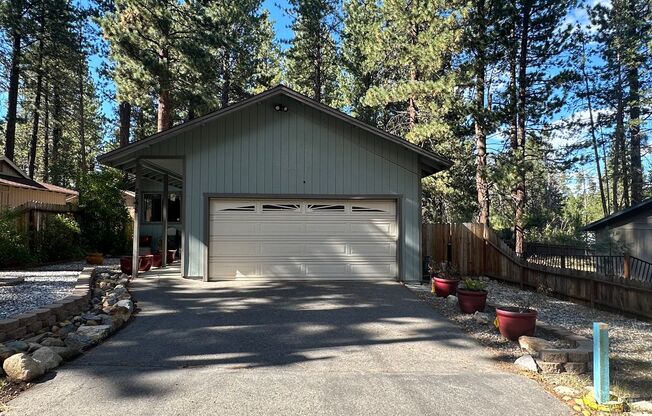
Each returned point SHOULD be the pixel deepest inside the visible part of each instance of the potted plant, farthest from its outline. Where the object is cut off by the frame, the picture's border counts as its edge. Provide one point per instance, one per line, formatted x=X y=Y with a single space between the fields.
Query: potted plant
x=95 y=258
x=444 y=280
x=516 y=321
x=472 y=295
x=157 y=259
x=144 y=263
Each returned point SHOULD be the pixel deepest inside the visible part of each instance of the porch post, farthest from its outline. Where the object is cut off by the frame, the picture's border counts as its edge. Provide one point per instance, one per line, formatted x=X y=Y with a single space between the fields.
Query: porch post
x=136 y=239
x=164 y=221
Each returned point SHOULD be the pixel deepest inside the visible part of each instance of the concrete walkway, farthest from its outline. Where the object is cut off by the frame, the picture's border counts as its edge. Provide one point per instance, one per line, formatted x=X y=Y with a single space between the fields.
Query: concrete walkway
x=286 y=348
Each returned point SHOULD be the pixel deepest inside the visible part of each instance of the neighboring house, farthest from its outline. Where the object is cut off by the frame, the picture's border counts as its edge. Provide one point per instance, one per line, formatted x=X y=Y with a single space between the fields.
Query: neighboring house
x=281 y=186
x=17 y=189
x=629 y=230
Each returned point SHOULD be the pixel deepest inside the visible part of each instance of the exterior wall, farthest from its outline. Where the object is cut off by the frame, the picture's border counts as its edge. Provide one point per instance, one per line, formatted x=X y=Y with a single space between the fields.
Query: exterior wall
x=12 y=197
x=300 y=152
x=635 y=236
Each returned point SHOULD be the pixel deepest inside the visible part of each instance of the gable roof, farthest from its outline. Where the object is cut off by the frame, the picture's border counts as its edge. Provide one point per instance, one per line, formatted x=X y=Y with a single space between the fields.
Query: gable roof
x=431 y=162
x=621 y=216
x=23 y=181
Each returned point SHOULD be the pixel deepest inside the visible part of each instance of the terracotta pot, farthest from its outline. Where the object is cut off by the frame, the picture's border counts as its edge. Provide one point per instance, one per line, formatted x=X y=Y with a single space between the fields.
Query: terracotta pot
x=157 y=259
x=444 y=287
x=515 y=322
x=471 y=301
x=95 y=258
x=144 y=263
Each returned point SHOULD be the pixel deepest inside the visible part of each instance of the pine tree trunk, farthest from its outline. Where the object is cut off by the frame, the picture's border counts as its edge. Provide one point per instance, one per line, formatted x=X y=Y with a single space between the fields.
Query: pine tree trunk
x=482 y=185
x=124 y=114
x=83 y=165
x=519 y=191
x=56 y=137
x=164 y=118
x=226 y=85
x=46 y=133
x=587 y=90
x=318 y=74
x=37 y=111
x=636 y=172
x=12 y=96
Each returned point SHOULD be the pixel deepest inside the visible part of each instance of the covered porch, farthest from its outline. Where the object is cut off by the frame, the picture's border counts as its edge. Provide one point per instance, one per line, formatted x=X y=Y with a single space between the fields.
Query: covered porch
x=158 y=208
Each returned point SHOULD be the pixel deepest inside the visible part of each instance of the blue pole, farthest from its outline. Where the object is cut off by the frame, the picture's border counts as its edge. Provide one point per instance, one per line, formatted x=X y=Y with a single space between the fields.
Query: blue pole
x=601 y=362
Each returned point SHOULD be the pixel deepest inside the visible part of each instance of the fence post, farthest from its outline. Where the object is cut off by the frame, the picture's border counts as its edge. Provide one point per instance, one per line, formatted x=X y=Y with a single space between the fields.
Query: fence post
x=563 y=261
x=601 y=362
x=627 y=271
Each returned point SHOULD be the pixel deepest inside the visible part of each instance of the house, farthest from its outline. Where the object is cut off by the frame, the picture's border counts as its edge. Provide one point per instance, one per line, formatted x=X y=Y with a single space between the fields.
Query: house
x=628 y=231
x=17 y=189
x=281 y=186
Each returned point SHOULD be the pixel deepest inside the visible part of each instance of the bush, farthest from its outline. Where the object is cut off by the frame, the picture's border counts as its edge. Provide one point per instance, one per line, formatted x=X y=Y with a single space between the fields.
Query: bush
x=59 y=239
x=103 y=217
x=14 y=247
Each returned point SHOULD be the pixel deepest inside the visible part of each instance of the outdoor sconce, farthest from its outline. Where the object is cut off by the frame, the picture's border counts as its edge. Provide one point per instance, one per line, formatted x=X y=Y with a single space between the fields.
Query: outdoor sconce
x=280 y=107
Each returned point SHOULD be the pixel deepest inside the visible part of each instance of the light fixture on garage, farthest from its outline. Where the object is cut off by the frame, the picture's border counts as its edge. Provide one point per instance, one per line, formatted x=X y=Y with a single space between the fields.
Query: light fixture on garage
x=280 y=107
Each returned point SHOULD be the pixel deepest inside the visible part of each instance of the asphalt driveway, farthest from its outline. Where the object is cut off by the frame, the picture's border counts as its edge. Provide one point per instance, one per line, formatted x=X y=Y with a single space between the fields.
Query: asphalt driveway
x=286 y=348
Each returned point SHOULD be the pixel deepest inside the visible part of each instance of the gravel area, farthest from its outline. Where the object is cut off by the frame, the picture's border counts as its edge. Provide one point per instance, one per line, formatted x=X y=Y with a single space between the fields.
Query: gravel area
x=42 y=285
x=630 y=339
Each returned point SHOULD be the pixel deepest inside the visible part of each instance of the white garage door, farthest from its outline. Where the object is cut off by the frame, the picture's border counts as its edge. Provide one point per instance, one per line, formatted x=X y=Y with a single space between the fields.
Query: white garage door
x=309 y=239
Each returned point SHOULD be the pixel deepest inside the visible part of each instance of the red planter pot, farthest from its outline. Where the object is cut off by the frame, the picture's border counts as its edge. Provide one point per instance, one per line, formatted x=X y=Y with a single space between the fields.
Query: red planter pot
x=471 y=301
x=444 y=287
x=157 y=259
x=515 y=322
x=144 y=263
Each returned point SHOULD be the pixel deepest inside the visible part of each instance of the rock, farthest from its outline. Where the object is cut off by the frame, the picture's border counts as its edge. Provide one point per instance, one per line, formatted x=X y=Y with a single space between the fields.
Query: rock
x=33 y=347
x=123 y=309
x=95 y=333
x=119 y=290
x=17 y=346
x=642 y=406
x=22 y=367
x=5 y=352
x=67 y=329
x=550 y=368
x=566 y=391
x=66 y=353
x=78 y=341
x=527 y=362
x=87 y=316
x=52 y=342
x=481 y=317
x=451 y=300
x=48 y=358
x=533 y=345
x=37 y=339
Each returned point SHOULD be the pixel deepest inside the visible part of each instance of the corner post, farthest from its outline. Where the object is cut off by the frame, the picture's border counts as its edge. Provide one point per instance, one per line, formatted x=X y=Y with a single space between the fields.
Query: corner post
x=601 y=362
x=164 y=221
x=136 y=238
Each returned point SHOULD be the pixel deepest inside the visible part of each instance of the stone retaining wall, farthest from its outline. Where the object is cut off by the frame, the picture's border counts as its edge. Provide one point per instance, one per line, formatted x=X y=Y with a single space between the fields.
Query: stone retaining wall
x=28 y=324
x=578 y=360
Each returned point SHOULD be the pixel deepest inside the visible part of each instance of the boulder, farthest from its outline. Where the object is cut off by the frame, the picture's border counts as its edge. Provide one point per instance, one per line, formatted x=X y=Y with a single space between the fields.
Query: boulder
x=123 y=309
x=527 y=362
x=451 y=300
x=66 y=353
x=95 y=333
x=78 y=341
x=533 y=345
x=567 y=391
x=66 y=330
x=119 y=290
x=52 y=342
x=33 y=347
x=47 y=358
x=22 y=367
x=38 y=338
x=17 y=346
x=642 y=406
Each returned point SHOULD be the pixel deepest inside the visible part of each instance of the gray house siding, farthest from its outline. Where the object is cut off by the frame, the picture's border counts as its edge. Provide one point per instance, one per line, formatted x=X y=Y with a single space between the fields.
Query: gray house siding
x=633 y=236
x=300 y=152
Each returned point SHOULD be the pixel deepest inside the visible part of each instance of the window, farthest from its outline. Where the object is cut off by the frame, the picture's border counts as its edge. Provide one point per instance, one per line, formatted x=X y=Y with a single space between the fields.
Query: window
x=244 y=208
x=325 y=207
x=153 y=209
x=281 y=207
x=365 y=209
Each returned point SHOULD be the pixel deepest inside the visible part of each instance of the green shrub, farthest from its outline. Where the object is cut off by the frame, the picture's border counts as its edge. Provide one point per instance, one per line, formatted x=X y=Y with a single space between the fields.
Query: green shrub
x=103 y=218
x=14 y=247
x=59 y=239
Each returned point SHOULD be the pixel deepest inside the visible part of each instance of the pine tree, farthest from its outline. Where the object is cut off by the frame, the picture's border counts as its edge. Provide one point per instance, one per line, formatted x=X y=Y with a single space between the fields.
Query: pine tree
x=313 y=56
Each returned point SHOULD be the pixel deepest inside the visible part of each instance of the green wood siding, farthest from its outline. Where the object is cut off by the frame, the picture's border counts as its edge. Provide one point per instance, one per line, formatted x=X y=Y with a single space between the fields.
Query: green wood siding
x=300 y=152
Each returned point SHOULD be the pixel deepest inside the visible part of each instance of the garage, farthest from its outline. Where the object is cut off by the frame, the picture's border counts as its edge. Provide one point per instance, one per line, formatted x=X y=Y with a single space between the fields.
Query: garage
x=303 y=238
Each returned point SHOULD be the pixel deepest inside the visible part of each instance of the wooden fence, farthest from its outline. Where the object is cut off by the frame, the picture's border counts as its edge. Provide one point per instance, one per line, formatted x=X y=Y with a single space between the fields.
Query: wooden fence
x=474 y=249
